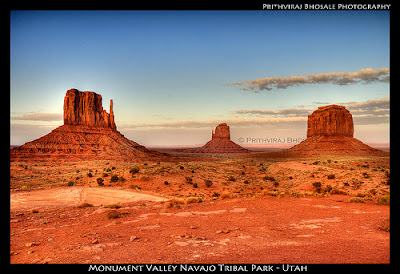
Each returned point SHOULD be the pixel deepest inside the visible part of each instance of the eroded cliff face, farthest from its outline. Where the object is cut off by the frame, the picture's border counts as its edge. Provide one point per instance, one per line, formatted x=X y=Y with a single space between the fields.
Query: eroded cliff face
x=330 y=131
x=332 y=120
x=89 y=132
x=220 y=143
x=221 y=131
x=85 y=108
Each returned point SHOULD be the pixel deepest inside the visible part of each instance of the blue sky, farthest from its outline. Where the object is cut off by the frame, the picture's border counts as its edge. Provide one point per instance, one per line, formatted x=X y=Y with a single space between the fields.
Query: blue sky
x=168 y=72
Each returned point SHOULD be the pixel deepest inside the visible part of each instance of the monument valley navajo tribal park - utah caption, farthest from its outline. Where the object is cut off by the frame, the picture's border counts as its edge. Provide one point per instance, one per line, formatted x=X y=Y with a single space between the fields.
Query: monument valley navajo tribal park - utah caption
x=188 y=146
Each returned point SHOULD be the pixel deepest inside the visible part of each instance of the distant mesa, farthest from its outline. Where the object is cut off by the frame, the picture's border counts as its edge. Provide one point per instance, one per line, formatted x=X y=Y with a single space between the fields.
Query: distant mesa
x=330 y=131
x=332 y=120
x=220 y=142
x=89 y=132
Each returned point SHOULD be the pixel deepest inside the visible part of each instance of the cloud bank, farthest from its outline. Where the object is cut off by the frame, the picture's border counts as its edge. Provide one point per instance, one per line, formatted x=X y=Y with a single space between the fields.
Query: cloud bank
x=365 y=76
x=47 y=117
x=365 y=112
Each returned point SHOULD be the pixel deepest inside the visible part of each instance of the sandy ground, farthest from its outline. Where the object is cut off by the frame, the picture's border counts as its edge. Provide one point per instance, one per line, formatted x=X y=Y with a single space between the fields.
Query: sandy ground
x=62 y=197
x=262 y=230
x=258 y=209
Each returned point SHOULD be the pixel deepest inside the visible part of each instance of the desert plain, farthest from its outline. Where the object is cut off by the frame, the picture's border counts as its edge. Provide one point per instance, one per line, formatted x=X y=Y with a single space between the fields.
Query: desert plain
x=255 y=207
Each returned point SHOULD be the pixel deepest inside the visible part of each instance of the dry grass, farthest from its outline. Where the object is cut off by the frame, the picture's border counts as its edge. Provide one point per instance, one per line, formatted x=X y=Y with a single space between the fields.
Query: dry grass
x=175 y=202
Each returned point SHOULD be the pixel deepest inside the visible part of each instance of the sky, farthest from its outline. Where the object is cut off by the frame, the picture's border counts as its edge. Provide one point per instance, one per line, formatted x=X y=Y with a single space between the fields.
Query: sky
x=175 y=75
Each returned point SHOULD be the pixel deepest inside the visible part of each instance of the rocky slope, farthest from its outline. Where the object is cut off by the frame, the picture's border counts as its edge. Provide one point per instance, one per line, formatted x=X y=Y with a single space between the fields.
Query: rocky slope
x=89 y=132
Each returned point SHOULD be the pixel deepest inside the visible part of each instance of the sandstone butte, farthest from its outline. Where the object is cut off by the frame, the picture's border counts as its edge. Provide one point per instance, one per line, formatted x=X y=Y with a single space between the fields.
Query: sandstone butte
x=89 y=132
x=330 y=131
x=220 y=142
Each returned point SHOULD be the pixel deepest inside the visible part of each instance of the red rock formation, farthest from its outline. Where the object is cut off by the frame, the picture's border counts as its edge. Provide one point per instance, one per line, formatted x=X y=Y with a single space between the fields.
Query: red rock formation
x=85 y=108
x=220 y=143
x=330 y=131
x=89 y=132
x=221 y=131
x=332 y=120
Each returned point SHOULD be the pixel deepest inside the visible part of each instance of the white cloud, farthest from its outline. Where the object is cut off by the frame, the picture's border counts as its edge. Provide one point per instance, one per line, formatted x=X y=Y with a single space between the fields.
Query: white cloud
x=366 y=75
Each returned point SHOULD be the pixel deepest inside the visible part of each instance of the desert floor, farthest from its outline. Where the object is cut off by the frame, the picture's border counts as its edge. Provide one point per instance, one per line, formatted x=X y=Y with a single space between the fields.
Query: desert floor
x=249 y=208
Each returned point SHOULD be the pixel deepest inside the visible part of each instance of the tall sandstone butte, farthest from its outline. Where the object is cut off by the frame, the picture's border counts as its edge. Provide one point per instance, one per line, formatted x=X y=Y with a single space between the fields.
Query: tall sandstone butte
x=89 y=132
x=220 y=142
x=332 y=120
x=330 y=131
x=221 y=131
x=86 y=108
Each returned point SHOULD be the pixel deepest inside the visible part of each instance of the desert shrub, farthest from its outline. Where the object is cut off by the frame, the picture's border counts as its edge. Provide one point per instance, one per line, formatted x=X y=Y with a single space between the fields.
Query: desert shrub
x=231 y=178
x=225 y=195
x=316 y=162
x=112 y=214
x=181 y=167
x=189 y=180
x=84 y=205
x=114 y=178
x=105 y=174
x=215 y=194
x=208 y=183
x=383 y=200
x=134 y=170
x=195 y=185
x=135 y=187
x=191 y=200
x=90 y=174
x=336 y=190
x=71 y=183
x=115 y=206
x=272 y=193
x=175 y=202
x=328 y=188
x=166 y=183
x=268 y=178
x=331 y=176
x=100 y=181
x=357 y=200
x=356 y=184
x=366 y=175
x=275 y=183
x=317 y=186
x=246 y=182
x=121 y=179
x=385 y=225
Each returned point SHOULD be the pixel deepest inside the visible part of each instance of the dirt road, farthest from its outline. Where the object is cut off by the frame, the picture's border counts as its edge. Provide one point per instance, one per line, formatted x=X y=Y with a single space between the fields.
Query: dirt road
x=73 y=196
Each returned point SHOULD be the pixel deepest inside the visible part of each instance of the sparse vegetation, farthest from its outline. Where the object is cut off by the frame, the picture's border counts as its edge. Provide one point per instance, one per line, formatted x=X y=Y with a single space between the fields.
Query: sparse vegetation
x=100 y=181
x=175 y=202
x=83 y=205
x=208 y=183
x=357 y=200
x=115 y=206
x=134 y=170
x=191 y=200
x=383 y=200
x=189 y=180
x=112 y=214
